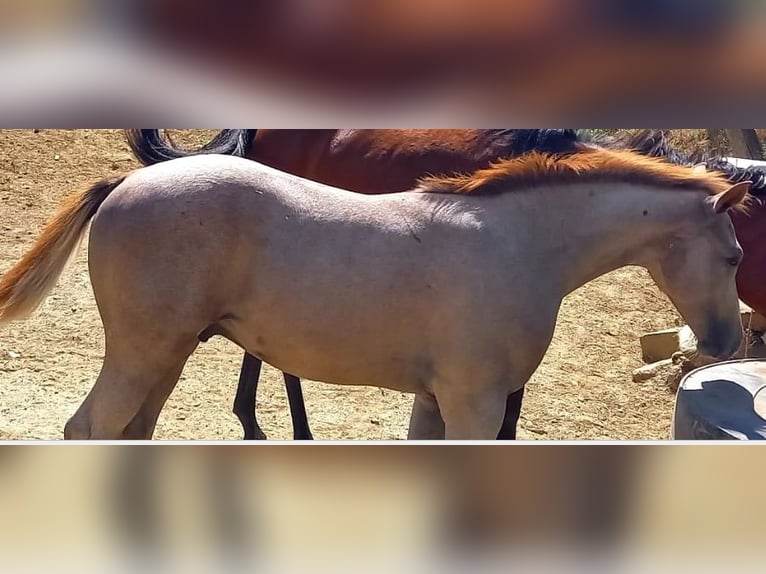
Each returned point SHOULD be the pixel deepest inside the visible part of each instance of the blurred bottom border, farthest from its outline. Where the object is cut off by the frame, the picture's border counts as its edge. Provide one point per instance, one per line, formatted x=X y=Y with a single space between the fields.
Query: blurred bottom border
x=288 y=508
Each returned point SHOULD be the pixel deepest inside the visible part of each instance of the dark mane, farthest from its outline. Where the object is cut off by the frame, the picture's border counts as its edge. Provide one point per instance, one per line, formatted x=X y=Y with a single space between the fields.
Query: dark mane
x=754 y=174
x=654 y=143
x=553 y=141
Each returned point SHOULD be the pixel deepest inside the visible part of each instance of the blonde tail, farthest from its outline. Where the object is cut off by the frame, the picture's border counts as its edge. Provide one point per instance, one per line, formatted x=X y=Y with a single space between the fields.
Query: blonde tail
x=28 y=283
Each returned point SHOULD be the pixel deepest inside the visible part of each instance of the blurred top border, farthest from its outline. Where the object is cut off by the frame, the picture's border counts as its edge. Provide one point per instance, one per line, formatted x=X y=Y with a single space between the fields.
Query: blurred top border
x=382 y=63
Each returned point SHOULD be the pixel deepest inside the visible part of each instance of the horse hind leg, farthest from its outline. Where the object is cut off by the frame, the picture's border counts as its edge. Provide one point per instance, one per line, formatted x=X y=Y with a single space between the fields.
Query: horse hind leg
x=512 y=414
x=135 y=373
x=143 y=424
x=300 y=420
x=244 y=401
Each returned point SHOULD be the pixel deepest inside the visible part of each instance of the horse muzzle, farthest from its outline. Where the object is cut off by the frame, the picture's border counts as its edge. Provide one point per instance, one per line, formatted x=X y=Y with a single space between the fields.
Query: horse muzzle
x=721 y=347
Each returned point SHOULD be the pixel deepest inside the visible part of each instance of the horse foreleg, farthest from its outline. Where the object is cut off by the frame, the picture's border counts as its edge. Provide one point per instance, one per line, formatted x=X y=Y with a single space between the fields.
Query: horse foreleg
x=426 y=421
x=301 y=430
x=472 y=417
x=244 y=401
x=512 y=414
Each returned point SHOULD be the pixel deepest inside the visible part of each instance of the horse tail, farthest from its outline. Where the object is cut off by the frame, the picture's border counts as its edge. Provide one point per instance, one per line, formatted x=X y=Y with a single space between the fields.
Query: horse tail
x=151 y=146
x=28 y=283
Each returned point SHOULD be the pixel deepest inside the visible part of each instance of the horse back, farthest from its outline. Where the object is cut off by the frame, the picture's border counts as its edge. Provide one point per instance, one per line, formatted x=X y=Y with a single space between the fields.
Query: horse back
x=377 y=161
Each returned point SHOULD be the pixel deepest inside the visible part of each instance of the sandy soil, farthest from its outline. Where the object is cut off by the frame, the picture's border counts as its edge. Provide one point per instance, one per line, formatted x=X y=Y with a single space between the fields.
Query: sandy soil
x=583 y=389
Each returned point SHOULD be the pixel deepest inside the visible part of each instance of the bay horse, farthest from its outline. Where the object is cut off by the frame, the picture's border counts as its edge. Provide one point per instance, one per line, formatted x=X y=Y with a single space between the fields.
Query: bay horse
x=382 y=161
x=458 y=309
x=364 y=161
x=542 y=56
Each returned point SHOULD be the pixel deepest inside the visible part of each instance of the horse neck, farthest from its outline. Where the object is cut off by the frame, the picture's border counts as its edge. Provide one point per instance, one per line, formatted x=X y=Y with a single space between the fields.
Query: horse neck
x=587 y=230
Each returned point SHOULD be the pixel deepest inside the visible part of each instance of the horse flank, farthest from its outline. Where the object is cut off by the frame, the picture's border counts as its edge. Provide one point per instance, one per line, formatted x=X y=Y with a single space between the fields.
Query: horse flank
x=589 y=164
x=26 y=285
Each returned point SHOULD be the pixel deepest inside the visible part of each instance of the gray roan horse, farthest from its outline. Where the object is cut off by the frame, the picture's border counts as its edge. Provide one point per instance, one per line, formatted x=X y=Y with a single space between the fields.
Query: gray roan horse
x=450 y=292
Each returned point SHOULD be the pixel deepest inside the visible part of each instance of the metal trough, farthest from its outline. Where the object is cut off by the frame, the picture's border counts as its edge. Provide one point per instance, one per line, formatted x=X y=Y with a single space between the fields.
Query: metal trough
x=723 y=401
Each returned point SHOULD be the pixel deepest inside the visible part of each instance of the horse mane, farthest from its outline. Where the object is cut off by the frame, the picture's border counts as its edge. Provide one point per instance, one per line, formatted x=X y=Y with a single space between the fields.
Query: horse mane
x=518 y=142
x=587 y=164
x=754 y=174
x=654 y=143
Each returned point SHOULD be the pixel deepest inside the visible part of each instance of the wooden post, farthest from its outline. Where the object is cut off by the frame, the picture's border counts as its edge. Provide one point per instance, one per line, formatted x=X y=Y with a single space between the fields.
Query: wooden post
x=716 y=138
x=745 y=144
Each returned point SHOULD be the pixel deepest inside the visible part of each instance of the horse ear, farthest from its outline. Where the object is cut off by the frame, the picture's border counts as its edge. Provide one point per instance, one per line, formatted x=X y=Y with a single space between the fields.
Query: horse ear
x=733 y=196
x=699 y=169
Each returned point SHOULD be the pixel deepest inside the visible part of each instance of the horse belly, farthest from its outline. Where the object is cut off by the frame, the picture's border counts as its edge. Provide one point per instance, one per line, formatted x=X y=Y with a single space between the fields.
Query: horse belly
x=346 y=357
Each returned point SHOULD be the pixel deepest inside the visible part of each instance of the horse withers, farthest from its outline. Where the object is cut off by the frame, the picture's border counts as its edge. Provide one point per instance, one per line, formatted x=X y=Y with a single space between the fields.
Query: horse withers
x=458 y=309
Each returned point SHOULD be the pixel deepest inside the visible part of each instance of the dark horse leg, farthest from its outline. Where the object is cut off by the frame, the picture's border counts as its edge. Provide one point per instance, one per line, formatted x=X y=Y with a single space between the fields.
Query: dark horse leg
x=244 y=401
x=301 y=430
x=512 y=414
x=136 y=503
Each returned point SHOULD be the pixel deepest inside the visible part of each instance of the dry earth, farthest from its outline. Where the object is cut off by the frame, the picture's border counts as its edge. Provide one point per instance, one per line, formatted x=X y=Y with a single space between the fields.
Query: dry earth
x=583 y=389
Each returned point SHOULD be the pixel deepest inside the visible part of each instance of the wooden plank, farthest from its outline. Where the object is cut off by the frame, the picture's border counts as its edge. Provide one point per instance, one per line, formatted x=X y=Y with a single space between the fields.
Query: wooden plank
x=716 y=138
x=659 y=345
x=745 y=143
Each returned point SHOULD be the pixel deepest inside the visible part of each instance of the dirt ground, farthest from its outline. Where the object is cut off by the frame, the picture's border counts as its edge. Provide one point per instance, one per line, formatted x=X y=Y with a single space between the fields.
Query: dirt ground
x=583 y=389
